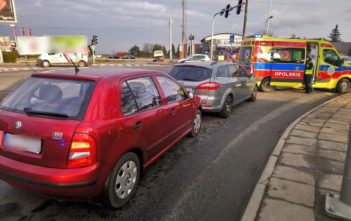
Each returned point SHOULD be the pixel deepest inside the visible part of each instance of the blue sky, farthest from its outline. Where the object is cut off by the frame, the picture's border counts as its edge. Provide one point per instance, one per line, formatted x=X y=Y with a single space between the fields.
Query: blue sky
x=121 y=24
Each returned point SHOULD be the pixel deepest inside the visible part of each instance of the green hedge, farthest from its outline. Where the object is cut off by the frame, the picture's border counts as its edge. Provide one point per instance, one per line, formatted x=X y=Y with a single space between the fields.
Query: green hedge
x=10 y=57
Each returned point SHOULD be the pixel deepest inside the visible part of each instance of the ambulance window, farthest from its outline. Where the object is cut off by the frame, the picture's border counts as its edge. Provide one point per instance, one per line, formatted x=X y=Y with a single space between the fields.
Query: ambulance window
x=288 y=55
x=330 y=57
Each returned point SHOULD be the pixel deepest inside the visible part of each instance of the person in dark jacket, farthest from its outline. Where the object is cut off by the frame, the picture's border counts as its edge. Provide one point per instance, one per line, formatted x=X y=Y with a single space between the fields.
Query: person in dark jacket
x=308 y=75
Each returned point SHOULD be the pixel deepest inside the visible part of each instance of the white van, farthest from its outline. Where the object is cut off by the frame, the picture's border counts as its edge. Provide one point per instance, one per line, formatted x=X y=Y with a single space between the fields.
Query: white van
x=46 y=60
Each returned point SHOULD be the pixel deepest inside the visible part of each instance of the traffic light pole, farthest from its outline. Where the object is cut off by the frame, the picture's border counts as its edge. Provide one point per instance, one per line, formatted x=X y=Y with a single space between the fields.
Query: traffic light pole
x=227 y=10
x=93 y=51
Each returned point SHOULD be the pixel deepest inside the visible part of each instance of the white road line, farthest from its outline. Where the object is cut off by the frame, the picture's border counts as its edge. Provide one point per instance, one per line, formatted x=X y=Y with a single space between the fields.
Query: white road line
x=120 y=65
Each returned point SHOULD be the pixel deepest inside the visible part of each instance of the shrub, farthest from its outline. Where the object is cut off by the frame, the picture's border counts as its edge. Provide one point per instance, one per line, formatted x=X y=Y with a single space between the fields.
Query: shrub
x=10 y=57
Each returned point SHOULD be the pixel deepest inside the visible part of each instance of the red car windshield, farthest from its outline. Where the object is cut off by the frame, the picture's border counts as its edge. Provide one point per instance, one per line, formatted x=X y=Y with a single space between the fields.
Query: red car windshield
x=50 y=97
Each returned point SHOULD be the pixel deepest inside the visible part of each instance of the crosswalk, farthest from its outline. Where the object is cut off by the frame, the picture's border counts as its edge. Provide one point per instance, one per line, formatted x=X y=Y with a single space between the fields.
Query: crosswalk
x=9 y=69
x=12 y=69
x=129 y=65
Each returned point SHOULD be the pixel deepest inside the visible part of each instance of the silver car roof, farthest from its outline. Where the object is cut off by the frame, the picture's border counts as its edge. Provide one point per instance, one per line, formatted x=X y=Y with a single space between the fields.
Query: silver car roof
x=205 y=64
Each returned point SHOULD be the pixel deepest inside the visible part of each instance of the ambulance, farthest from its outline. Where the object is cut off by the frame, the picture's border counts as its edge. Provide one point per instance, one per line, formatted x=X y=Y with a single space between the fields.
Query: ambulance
x=280 y=62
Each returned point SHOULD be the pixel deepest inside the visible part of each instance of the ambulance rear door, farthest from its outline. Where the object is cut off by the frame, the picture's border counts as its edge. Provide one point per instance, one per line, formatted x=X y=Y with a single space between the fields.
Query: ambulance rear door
x=288 y=64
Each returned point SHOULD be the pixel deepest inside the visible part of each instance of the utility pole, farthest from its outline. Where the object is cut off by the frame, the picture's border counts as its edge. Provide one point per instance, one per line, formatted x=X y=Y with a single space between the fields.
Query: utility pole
x=170 y=40
x=245 y=18
x=183 y=28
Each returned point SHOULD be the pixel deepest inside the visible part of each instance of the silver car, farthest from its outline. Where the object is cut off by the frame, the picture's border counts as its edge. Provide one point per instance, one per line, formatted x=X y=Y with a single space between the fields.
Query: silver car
x=220 y=85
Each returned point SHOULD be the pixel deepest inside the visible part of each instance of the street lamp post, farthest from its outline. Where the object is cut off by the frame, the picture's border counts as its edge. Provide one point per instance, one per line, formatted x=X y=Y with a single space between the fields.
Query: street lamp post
x=213 y=20
x=14 y=32
x=269 y=16
x=267 y=23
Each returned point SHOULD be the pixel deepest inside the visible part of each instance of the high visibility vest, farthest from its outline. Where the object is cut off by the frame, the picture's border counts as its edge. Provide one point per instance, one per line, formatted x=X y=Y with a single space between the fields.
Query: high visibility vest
x=309 y=72
x=309 y=68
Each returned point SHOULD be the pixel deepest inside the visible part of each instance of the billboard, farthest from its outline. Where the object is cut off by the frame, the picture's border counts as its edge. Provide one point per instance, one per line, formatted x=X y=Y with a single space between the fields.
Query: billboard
x=7 y=11
x=28 y=45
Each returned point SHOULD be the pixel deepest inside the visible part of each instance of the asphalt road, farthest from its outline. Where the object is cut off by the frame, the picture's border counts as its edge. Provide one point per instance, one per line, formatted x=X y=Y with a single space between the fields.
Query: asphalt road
x=210 y=177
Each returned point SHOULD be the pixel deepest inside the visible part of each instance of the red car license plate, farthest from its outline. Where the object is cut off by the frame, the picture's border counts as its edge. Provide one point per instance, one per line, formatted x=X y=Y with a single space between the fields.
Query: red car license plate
x=21 y=143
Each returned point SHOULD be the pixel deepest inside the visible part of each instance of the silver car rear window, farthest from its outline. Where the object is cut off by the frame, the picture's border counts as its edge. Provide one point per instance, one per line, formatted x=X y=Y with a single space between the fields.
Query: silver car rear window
x=191 y=73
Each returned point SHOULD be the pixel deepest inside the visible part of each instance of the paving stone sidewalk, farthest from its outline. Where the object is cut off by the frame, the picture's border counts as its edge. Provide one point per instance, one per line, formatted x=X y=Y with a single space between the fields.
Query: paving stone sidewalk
x=310 y=164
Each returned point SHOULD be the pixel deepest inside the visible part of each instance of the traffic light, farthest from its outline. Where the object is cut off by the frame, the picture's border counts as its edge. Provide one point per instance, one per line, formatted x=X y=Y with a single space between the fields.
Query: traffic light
x=238 y=9
x=222 y=12
x=227 y=9
x=94 y=40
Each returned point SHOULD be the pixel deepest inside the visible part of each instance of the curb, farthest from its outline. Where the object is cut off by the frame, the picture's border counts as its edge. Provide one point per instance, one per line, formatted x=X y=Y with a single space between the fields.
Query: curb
x=253 y=206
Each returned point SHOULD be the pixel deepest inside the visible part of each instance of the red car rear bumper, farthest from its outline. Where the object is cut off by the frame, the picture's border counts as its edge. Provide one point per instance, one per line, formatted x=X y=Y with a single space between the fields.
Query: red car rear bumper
x=60 y=183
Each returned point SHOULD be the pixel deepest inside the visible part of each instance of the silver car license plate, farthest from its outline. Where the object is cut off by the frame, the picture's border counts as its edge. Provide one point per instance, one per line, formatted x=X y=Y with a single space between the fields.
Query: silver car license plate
x=21 y=143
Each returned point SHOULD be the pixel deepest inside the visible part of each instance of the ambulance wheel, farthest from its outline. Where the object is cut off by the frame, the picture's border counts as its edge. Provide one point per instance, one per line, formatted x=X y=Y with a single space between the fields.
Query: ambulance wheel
x=45 y=64
x=265 y=85
x=82 y=64
x=343 y=86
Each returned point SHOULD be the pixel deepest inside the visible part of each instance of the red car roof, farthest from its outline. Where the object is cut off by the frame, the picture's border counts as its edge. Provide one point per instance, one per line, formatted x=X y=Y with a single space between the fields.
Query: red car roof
x=94 y=74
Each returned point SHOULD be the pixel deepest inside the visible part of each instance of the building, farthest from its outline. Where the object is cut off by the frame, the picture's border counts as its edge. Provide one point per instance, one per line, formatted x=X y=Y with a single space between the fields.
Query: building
x=5 y=43
x=222 y=41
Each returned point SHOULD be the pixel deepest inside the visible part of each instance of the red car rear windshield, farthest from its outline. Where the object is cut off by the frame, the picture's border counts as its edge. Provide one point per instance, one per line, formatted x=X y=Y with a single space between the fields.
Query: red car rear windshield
x=50 y=97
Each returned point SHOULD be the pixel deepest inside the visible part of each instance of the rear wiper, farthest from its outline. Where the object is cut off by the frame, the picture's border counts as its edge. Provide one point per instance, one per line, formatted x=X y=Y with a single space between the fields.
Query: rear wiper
x=28 y=110
x=189 y=79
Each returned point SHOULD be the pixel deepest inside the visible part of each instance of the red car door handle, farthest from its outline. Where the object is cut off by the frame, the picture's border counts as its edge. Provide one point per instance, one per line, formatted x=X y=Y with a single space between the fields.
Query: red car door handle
x=138 y=125
x=173 y=111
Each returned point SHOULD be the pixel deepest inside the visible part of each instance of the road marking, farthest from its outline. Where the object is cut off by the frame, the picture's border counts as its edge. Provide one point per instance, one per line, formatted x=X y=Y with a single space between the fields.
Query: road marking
x=253 y=206
x=186 y=196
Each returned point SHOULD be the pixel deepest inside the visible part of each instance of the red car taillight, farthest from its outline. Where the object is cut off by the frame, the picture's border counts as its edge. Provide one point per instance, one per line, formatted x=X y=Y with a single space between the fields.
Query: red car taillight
x=212 y=86
x=82 y=152
x=1 y=137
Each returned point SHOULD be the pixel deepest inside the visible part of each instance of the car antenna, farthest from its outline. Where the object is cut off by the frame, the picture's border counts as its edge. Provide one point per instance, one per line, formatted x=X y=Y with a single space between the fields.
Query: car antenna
x=76 y=69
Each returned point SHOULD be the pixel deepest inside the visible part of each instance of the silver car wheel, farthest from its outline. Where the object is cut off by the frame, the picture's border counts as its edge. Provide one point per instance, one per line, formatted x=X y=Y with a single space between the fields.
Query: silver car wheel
x=126 y=179
x=228 y=105
x=197 y=122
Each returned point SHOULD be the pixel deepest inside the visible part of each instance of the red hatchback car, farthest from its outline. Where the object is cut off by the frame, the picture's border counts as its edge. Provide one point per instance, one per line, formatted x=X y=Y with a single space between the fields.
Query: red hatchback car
x=89 y=135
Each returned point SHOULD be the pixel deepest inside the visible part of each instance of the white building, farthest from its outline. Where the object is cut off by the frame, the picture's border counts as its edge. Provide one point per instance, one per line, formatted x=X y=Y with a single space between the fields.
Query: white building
x=222 y=41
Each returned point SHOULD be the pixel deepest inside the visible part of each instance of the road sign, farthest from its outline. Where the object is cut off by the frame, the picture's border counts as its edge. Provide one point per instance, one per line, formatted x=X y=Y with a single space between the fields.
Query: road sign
x=52 y=44
x=231 y=38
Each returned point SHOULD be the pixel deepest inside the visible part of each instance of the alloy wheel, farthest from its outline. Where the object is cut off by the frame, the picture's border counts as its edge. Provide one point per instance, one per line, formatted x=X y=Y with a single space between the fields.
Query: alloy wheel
x=126 y=179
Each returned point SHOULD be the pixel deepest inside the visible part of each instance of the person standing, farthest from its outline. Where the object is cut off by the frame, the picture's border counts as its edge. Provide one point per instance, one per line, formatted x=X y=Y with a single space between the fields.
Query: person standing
x=308 y=77
x=314 y=56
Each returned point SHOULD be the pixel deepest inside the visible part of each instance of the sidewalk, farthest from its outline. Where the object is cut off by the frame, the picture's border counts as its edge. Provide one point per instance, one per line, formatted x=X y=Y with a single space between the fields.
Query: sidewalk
x=307 y=163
